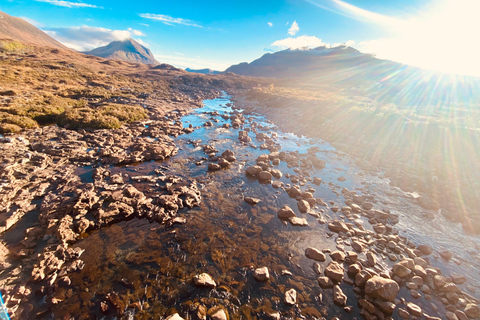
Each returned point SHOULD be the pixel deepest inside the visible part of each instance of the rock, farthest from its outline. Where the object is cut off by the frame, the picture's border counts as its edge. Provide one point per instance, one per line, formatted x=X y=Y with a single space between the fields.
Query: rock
x=174 y=316
x=334 y=271
x=301 y=222
x=472 y=310
x=254 y=170
x=338 y=256
x=451 y=316
x=314 y=254
x=317 y=268
x=264 y=176
x=251 y=200
x=290 y=297
x=229 y=156
x=382 y=288
x=204 y=280
x=458 y=278
x=286 y=213
x=223 y=163
x=354 y=269
x=387 y=307
x=425 y=249
x=403 y=313
x=337 y=226
x=261 y=274
x=372 y=260
x=214 y=167
x=358 y=246
x=401 y=271
x=317 y=181
x=364 y=304
x=361 y=278
x=303 y=206
x=217 y=313
x=339 y=298
x=294 y=192
x=414 y=309
x=325 y=282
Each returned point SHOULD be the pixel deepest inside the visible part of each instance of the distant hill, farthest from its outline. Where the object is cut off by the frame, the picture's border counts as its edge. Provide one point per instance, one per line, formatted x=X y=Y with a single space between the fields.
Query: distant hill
x=203 y=71
x=349 y=68
x=126 y=50
x=18 y=29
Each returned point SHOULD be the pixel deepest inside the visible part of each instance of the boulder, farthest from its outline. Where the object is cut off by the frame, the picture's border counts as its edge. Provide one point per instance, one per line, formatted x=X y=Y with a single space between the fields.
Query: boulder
x=204 y=280
x=337 y=226
x=334 y=271
x=382 y=288
x=286 y=213
x=291 y=297
x=261 y=274
x=339 y=298
x=314 y=254
x=303 y=206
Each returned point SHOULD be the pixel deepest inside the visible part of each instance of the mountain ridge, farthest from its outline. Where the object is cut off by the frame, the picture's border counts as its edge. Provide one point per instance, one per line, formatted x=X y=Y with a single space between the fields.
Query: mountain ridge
x=15 y=28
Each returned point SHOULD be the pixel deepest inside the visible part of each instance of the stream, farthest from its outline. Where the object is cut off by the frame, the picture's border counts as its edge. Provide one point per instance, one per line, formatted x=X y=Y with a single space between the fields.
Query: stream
x=148 y=267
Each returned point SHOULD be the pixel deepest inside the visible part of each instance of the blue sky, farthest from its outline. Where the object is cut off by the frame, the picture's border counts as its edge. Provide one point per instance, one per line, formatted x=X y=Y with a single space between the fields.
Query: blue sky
x=217 y=34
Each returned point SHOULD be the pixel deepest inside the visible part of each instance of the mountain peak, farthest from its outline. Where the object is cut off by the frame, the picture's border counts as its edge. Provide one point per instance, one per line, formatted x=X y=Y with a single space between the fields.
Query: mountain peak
x=126 y=50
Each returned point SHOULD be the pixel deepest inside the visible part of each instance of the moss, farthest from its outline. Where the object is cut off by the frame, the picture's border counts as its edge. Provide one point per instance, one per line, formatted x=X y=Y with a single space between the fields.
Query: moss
x=105 y=117
x=17 y=121
x=9 y=128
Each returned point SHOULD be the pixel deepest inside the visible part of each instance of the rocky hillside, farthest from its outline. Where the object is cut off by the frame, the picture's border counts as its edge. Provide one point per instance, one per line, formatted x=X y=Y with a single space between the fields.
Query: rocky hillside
x=126 y=50
x=18 y=29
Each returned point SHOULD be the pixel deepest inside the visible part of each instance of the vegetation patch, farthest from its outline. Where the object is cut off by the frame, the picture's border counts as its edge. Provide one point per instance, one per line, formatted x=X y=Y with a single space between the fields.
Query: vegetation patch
x=111 y=116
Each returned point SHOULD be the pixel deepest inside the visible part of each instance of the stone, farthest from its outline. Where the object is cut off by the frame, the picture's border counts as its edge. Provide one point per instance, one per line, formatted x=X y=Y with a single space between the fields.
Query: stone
x=204 y=280
x=217 y=313
x=414 y=309
x=372 y=260
x=354 y=269
x=382 y=288
x=472 y=310
x=325 y=282
x=303 y=206
x=174 y=316
x=401 y=271
x=300 y=222
x=334 y=271
x=251 y=200
x=264 y=176
x=339 y=298
x=451 y=316
x=290 y=297
x=361 y=278
x=286 y=213
x=214 y=167
x=314 y=254
x=261 y=274
x=403 y=313
x=338 y=256
x=358 y=246
x=337 y=226
x=254 y=170
x=425 y=249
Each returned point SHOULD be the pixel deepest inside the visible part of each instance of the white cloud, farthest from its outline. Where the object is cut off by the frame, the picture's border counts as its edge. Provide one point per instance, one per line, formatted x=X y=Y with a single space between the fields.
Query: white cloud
x=144 y=24
x=178 y=53
x=137 y=33
x=299 y=42
x=168 y=20
x=86 y=38
x=70 y=4
x=293 y=28
x=270 y=24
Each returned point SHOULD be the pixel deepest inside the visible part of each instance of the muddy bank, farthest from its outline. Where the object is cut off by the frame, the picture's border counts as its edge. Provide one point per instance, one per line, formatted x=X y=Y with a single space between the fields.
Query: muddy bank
x=216 y=214
x=427 y=158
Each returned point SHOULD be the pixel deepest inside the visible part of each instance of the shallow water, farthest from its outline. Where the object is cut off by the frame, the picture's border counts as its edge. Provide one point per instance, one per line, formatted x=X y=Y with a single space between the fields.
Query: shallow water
x=150 y=267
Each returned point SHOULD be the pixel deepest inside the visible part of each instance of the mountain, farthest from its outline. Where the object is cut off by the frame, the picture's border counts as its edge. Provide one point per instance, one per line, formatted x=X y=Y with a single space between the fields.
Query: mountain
x=18 y=29
x=348 y=68
x=203 y=71
x=126 y=50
